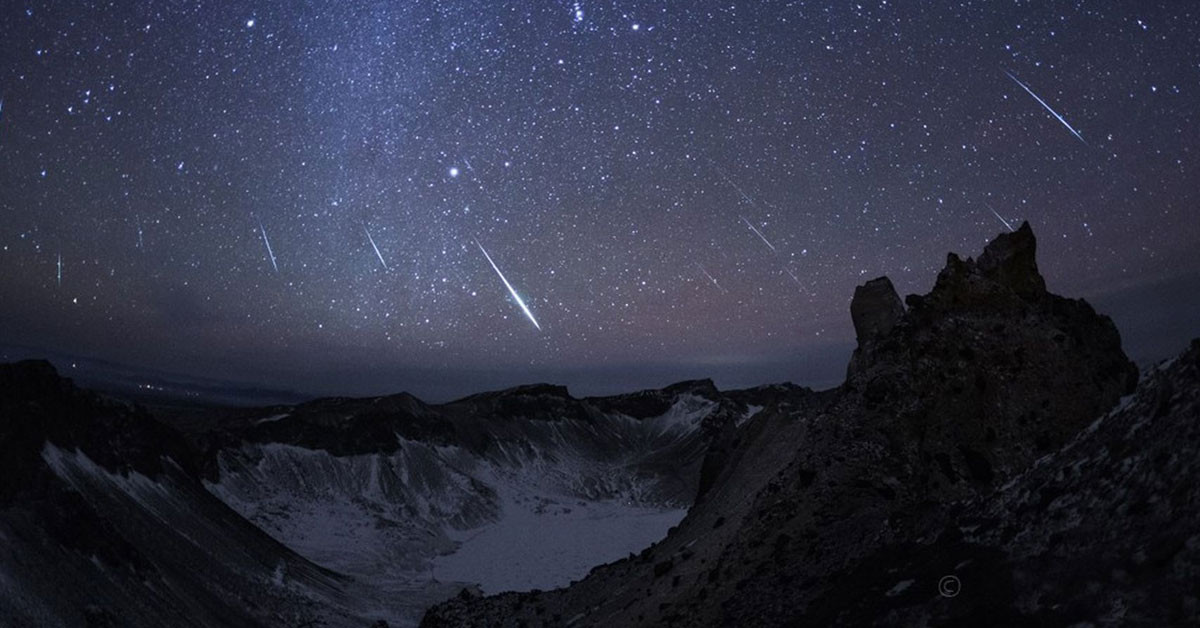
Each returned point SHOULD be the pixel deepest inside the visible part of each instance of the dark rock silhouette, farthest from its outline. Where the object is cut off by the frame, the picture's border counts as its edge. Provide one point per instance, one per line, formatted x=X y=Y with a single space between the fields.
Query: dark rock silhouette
x=875 y=310
x=847 y=507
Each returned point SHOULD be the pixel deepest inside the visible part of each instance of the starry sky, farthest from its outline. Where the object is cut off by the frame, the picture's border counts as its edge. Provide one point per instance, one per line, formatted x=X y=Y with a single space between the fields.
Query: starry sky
x=307 y=195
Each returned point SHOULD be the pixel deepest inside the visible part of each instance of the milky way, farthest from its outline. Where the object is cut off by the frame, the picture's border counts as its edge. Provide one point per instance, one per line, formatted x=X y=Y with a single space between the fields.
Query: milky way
x=610 y=154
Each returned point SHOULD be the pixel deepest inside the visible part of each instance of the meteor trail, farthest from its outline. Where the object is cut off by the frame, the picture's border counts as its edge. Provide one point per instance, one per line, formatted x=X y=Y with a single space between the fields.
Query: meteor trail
x=997 y=215
x=377 y=253
x=730 y=182
x=793 y=276
x=511 y=291
x=758 y=233
x=1043 y=103
x=711 y=278
x=139 y=226
x=267 y=242
x=60 y=270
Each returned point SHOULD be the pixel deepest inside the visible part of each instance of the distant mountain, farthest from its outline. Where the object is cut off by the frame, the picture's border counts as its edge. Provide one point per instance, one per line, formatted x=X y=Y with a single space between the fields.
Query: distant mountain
x=984 y=464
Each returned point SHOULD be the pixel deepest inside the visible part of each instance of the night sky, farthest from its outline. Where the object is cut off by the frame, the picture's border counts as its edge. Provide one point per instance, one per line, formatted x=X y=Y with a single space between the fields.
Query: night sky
x=681 y=189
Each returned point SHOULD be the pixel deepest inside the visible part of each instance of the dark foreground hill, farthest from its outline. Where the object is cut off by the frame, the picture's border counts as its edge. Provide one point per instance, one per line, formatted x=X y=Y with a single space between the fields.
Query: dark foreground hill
x=984 y=464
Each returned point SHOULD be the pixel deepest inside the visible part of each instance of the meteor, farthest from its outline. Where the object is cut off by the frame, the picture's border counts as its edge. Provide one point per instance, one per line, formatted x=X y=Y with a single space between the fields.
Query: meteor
x=377 y=253
x=997 y=215
x=511 y=291
x=711 y=278
x=60 y=270
x=267 y=242
x=758 y=233
x=1047 y=107
x=731 y=183
x=793 y=276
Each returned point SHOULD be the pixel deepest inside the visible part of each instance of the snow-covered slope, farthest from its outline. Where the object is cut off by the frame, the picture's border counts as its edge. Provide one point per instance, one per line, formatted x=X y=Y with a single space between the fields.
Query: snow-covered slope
x=336 y=512
x=528 y=488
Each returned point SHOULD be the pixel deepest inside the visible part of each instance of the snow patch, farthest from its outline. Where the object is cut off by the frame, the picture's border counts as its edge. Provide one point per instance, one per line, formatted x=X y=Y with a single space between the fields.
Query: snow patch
x=536 y=545
x=750 y=412
x=372 y=515
x=685 y=414
x=76 y=468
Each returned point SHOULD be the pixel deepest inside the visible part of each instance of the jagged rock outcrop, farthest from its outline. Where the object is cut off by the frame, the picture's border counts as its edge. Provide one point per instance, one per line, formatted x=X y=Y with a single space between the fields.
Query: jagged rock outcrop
x=944 y=405
x=875 y=309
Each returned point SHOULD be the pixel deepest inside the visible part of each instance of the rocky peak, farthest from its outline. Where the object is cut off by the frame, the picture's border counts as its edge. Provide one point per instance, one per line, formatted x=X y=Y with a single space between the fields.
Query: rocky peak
x=699 y=387
x=524 y=390
x=30 y=380
x=1003 y=279
x=1011 y=259
x=875 y=309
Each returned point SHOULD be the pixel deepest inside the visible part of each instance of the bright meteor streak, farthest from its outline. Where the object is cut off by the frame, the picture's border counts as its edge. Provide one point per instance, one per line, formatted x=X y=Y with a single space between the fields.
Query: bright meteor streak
x=758 y=233
x=997 y=215
x=267 y=242
x=511 y=291
x=377 y=253
x=711 y=278
x=1047 y=107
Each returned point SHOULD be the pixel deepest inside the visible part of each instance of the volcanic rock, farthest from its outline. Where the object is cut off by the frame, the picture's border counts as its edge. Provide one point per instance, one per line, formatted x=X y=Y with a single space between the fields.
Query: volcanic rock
x=847 y=507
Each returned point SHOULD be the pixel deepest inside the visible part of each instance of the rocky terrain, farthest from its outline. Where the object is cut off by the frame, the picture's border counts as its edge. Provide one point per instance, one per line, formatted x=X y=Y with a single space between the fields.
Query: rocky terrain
x=337 y=512
x=987 y=462
x=991 y=459
x=104 y=522
x=380 y=488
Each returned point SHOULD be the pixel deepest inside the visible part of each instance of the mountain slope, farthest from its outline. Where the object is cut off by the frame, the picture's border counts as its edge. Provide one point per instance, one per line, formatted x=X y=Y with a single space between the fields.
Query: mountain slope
x=384 y=488
x=105 y=522
x=336 y=511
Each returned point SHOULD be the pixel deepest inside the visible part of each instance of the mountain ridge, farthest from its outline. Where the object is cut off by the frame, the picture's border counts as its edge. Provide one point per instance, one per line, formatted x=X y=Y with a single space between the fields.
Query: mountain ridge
x=851 y=507
x=952 y=448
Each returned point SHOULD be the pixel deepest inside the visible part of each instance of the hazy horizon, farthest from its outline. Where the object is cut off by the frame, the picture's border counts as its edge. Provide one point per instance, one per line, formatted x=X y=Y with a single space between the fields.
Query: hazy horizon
x=1156 y=321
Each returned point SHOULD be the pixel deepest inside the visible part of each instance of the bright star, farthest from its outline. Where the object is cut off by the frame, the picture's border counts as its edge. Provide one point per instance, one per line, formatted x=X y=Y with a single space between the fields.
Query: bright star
x=454 y=172
x=250 y=23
